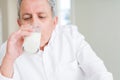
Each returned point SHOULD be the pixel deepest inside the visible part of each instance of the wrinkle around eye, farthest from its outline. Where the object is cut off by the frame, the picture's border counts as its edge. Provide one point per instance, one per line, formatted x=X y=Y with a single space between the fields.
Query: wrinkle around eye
x=42 y=16
x=28 y=18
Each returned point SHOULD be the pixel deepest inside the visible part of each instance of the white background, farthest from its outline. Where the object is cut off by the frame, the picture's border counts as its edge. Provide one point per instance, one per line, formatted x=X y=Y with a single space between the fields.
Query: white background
x=99 y=22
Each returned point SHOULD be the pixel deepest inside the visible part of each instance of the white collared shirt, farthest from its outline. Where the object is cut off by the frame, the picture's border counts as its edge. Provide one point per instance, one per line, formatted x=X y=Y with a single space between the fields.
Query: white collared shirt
x=66 y=57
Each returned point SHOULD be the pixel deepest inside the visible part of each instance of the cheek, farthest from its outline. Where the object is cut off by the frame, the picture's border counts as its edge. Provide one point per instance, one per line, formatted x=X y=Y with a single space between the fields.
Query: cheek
x=47 y=28
x=24 y=22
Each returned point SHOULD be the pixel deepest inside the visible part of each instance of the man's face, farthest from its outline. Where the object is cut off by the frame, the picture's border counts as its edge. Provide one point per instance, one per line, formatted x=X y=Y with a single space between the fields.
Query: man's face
x=38 y=12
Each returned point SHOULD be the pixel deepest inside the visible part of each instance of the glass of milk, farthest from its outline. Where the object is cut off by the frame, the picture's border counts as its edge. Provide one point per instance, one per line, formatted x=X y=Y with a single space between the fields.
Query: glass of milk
x=31 y=43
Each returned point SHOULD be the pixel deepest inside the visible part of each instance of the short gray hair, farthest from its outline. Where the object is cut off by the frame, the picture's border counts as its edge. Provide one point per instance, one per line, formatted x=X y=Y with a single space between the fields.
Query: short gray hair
x=52 y=3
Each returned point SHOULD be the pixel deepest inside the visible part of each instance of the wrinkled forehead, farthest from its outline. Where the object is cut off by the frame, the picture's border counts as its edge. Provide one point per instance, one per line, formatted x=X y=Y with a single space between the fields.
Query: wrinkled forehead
x=26 y=6
x=34 y=1
x=21 y=1
x=35 y=6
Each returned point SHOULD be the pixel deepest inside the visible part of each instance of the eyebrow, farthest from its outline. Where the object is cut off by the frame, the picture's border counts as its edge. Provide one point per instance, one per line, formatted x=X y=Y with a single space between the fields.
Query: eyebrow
x=37 y=13
x=26 y=14
x=31 y=14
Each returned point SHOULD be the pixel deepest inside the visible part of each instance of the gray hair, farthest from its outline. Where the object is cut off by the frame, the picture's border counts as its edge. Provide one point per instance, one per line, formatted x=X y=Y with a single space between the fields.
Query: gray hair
x=52 y=3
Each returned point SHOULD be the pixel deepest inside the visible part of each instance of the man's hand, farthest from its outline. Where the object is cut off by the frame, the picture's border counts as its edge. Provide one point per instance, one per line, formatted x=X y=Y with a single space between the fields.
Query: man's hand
x=14 y=50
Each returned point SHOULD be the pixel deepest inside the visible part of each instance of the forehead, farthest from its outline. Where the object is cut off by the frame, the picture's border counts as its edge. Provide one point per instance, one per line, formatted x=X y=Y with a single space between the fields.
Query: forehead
x=35 y=5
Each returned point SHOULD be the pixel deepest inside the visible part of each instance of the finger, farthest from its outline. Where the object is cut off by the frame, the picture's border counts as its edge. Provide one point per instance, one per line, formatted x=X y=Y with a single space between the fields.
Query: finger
x=26 y=29
x=26 y=26
x=20 y=35
x=23 y=34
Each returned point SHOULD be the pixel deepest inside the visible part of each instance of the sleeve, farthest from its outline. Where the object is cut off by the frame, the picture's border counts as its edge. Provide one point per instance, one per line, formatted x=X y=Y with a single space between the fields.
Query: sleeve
x=16 y=74
x=92 y=66
x=2 y=51
x=4 y=78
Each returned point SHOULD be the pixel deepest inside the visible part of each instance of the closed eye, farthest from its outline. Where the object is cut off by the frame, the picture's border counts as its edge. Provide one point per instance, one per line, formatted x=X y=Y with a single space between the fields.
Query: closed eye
x=27 y=17
x=42 y=17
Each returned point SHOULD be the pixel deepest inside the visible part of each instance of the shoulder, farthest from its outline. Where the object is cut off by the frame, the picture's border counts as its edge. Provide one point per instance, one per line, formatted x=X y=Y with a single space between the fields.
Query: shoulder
x=71 y=34
x=71 y=30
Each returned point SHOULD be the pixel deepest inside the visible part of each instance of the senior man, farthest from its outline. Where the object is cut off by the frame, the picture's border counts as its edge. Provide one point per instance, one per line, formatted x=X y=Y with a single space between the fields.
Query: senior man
x=63 y=53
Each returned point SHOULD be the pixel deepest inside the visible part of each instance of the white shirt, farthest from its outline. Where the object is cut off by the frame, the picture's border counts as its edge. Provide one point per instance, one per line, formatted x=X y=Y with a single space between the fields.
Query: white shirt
x=66 y=57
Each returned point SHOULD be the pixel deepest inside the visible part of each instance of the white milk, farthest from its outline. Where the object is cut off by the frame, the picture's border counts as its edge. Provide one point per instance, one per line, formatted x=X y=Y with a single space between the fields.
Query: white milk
x=32 y=43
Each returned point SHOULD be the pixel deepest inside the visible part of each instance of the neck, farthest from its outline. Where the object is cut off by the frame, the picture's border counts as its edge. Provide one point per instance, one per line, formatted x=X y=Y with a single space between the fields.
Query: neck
x=42 y=47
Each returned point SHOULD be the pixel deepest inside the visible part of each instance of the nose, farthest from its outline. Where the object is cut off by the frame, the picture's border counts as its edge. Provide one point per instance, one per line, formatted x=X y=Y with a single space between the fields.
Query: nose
x=35 y=21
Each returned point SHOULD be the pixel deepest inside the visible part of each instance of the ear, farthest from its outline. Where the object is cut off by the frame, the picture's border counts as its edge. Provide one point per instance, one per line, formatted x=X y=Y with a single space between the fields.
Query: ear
x=19 y=22
x=55 y=20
